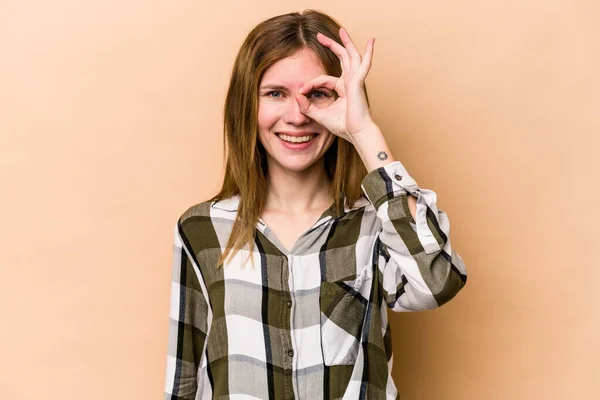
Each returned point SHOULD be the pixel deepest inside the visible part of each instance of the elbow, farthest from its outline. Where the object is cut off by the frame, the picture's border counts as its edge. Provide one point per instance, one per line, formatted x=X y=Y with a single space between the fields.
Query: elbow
x=450 y=275
x=453 y=284
x=447 y=276
x=442 y=277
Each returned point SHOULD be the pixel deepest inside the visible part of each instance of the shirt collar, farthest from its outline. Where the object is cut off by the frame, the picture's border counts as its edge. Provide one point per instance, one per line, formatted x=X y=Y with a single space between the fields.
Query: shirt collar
x=231 y=204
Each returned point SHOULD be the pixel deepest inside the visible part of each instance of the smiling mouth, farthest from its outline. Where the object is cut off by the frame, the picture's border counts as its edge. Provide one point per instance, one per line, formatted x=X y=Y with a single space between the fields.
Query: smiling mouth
x=297 y=139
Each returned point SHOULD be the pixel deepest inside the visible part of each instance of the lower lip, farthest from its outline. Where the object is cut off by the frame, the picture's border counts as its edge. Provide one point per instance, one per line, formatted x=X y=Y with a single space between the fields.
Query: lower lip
x=297 y=146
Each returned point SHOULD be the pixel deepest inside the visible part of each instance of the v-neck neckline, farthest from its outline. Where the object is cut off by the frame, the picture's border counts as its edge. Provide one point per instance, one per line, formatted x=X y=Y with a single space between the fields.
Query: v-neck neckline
x=264 y=228
x=231 y=204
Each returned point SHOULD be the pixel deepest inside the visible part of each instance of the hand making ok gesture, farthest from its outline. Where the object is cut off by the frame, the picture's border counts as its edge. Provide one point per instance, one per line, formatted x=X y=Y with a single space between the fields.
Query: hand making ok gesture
x=350 y=113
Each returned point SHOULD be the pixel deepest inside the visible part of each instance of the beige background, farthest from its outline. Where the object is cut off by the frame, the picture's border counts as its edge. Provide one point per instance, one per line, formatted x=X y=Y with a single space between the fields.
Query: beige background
x=110 y=121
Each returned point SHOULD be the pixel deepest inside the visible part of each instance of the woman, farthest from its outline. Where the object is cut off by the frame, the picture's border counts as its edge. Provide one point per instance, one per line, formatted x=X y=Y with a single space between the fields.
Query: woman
x=280 y=280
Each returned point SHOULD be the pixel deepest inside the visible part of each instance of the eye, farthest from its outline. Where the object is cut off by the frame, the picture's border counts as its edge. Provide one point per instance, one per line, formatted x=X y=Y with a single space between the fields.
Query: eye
x=268 y=94
x=321 y=95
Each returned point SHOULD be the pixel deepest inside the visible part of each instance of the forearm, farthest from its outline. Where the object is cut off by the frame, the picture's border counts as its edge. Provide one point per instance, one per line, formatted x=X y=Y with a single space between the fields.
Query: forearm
x=418 y=267
x=374 y=152
x=372 y=147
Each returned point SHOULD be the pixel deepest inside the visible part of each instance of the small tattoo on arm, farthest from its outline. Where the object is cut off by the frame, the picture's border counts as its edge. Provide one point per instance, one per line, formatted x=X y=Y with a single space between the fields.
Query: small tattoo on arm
x=382 y=155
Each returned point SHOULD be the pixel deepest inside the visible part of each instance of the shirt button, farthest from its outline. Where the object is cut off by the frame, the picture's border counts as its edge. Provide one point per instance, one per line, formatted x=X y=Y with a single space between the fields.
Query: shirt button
x=289 y=304
x=291 y=353
x=398 y=177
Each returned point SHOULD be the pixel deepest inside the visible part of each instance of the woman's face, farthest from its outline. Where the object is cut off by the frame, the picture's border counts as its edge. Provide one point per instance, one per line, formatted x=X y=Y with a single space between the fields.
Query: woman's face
x=283 y=129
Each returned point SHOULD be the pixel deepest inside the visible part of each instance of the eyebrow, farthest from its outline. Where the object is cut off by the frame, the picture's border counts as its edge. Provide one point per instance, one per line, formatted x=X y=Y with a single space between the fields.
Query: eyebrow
x=273 y=86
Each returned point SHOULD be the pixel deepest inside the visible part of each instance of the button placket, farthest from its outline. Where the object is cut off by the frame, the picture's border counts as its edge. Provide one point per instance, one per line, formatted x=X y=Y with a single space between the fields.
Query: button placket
x=294 y=283
x=286 y=336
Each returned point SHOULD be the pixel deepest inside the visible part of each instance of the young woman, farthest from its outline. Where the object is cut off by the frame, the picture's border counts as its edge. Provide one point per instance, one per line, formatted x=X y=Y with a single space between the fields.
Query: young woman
x=282 y=280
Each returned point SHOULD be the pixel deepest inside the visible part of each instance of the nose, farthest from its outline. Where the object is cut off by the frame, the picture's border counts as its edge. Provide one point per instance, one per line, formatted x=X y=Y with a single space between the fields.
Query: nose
x=293 y=115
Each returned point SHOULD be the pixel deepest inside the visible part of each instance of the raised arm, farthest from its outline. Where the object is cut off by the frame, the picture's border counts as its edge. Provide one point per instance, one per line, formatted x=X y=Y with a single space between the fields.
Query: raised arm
x=418 y=268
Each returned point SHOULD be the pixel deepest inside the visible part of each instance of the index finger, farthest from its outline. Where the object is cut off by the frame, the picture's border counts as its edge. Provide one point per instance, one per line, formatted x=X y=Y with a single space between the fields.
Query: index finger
x=322 y=81
x=337 y=49
x=350 y=47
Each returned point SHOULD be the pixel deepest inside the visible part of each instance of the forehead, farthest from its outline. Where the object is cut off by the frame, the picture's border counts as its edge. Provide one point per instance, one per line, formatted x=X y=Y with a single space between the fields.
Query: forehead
x=295 y=69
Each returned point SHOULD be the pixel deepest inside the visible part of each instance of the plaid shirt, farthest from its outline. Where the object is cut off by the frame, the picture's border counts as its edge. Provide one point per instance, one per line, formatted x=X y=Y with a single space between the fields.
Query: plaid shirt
x=310 y=322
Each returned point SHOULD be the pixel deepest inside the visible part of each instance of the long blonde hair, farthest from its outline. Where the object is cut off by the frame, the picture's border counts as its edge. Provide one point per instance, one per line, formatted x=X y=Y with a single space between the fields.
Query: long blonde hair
x=245 y=157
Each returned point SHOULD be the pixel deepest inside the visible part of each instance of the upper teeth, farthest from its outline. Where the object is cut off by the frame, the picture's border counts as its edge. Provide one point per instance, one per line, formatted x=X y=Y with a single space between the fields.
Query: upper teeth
x=295 y=139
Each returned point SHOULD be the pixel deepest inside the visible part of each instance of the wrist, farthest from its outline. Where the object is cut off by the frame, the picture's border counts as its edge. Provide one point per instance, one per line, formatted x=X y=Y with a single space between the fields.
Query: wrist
x=368 y=129
x=372 y=147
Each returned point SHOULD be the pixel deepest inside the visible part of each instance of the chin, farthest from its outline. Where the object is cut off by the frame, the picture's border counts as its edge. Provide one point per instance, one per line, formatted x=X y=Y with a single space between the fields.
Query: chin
x=295 y=167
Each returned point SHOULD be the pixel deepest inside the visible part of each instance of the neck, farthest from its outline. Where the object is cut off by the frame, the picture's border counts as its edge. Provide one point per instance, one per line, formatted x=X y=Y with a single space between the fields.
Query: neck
x=298 y=192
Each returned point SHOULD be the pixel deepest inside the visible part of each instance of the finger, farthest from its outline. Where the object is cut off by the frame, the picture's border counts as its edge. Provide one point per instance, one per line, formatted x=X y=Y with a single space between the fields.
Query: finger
x=352 y=51
x=307 y=108
x=337 y=49
x=321 y=81
x=365 y=66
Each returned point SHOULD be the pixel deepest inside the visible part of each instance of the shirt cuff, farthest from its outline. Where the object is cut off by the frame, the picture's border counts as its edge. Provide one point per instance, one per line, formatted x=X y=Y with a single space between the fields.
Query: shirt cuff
x=393 y=181
x=389 y=181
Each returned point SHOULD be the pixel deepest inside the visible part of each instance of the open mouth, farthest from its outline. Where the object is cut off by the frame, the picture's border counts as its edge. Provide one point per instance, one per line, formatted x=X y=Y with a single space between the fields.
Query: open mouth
x=297 y=139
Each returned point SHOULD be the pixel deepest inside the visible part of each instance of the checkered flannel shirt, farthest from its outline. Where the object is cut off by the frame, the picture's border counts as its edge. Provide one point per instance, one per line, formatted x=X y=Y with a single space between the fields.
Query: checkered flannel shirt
x=309 y=322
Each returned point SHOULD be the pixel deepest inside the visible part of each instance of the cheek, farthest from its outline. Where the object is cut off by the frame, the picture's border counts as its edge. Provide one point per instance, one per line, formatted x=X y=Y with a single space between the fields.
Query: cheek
x=267 y=116
x=329 y=140
x=266 y=119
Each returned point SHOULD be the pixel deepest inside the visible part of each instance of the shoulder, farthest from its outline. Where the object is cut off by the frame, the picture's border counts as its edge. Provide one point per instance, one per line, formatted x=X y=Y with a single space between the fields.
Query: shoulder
x=204 y=228
x=196 y=212
x=210 y=209
x=361 y=218
x=360 y=209
x=207 y=225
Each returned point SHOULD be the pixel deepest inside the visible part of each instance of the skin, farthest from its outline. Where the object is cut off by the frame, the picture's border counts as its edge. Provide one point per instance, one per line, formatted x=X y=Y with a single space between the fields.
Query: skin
x=279 y=111
x=298 y=189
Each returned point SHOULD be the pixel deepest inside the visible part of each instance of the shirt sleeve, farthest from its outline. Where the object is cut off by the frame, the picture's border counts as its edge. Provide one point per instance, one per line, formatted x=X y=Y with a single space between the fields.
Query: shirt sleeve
x=418 y=269
x=188 y=324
